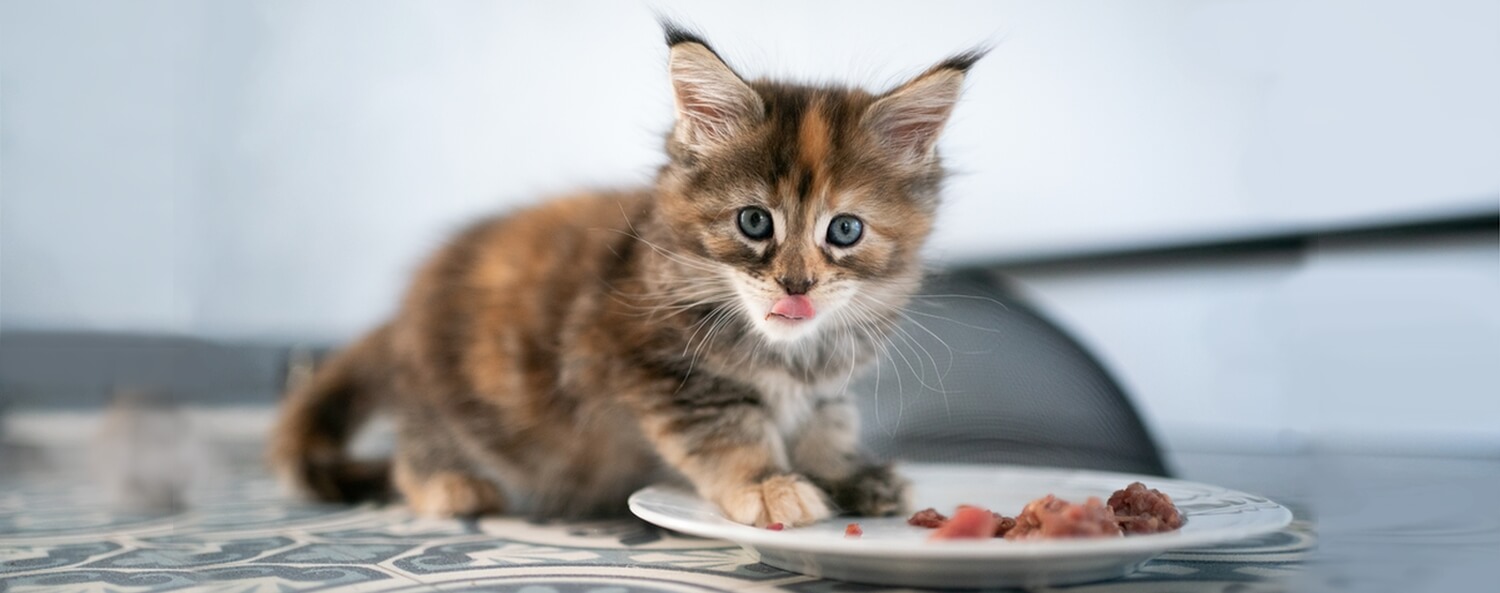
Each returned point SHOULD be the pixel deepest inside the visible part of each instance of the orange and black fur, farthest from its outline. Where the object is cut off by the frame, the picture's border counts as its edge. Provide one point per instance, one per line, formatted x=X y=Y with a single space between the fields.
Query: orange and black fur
x=704 y=329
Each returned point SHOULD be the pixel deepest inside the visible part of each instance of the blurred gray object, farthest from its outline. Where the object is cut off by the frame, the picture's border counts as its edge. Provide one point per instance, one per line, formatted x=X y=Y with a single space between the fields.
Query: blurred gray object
x=977 y=375
x=149 y=456
x=83 y=370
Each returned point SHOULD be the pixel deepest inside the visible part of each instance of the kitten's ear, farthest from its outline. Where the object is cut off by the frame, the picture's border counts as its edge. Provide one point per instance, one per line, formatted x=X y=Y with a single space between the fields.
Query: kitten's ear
x=713 y=103
x=909 y=119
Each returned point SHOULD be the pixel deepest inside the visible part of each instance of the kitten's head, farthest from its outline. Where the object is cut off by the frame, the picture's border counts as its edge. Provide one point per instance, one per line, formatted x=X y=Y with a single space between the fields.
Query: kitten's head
x=812 y=202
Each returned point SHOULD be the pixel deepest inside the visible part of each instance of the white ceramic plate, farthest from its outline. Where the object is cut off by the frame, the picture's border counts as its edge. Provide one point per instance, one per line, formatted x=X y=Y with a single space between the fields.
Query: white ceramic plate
x=893 y=553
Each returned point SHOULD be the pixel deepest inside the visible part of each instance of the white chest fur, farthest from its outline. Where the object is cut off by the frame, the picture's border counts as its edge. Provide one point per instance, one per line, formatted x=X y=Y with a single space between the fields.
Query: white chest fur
x=789 y=402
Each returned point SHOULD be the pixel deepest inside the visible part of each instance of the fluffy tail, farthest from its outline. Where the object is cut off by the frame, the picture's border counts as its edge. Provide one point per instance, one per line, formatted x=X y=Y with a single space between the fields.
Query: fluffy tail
x=320 y=416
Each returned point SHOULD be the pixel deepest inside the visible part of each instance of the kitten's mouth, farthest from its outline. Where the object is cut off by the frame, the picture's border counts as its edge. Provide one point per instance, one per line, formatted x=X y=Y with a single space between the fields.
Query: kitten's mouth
x=795 y=307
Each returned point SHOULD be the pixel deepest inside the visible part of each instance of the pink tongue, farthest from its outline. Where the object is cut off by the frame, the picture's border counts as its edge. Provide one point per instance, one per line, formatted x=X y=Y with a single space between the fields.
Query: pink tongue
x=793 y=307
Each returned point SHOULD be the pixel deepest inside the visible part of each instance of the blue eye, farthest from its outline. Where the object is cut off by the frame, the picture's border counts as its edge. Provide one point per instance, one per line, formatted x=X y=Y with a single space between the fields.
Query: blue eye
x=755 y=222
x=845 y=230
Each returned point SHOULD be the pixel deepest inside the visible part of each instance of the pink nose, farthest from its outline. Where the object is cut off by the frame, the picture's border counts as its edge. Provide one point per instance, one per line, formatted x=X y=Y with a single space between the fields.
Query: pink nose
x=795 y=306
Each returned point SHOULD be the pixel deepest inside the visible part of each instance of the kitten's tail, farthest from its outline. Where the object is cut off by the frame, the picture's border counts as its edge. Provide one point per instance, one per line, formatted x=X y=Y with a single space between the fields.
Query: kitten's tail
x=321 y=415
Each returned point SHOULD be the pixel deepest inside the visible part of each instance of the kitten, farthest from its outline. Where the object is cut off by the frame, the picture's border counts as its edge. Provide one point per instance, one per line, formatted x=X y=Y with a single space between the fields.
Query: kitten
x=703 y=329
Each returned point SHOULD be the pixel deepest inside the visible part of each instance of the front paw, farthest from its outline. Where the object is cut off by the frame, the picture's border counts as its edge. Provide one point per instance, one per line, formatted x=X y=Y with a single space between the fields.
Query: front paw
x=873 y=491
x=787 y=499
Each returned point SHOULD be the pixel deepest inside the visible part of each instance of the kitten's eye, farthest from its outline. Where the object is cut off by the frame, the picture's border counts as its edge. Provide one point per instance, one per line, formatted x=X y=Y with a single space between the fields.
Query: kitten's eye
x=755 y=222
x=845 y=230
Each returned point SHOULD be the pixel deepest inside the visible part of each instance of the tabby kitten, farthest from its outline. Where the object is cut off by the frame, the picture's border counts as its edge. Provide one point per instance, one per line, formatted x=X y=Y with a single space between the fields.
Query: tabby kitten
x=704 y=329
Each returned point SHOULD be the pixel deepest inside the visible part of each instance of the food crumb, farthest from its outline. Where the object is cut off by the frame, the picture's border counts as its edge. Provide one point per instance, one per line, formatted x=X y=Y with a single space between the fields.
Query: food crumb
x=775 y=527
x=853 y=530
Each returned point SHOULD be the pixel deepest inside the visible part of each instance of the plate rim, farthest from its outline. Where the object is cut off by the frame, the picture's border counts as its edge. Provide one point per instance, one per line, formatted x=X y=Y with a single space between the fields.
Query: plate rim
x=754 y=537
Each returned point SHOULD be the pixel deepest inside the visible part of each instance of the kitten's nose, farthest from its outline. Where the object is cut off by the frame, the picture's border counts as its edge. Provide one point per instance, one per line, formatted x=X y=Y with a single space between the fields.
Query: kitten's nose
x=796 y=285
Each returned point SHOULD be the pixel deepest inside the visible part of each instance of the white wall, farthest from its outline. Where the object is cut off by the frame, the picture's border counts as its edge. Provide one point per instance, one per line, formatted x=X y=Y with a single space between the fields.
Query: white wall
x=275 y=168
x=1388 y=345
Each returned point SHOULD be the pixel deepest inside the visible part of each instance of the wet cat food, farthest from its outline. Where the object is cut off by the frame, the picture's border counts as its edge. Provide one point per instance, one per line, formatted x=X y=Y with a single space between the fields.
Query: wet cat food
x=1133 y=510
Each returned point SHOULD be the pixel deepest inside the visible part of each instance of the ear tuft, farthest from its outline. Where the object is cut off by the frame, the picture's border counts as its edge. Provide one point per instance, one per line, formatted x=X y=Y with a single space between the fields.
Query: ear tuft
x=962 y=62
x=676 y=34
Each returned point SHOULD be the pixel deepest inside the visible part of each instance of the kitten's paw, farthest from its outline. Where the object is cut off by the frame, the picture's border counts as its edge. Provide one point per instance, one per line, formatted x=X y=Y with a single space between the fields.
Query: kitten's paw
x=451 y=494
x=873 y=491
x=787 y=499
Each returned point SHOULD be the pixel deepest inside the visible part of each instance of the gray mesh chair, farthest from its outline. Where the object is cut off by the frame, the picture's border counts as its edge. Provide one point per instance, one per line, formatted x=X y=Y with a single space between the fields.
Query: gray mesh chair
x=987 y=379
